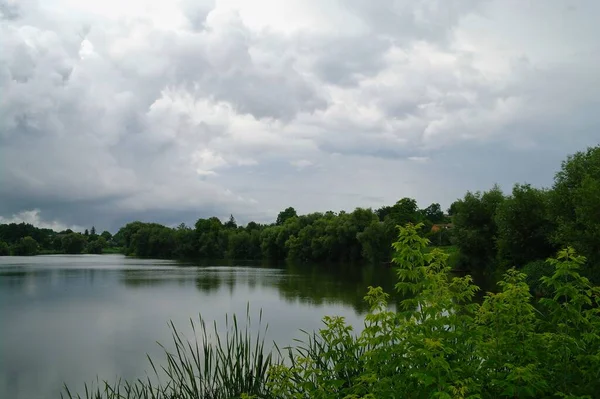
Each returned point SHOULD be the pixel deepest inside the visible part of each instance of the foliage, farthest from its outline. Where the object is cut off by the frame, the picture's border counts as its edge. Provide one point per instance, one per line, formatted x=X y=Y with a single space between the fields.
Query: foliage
x=524 y=228
x=52 y=242
x=475 y=227
x=284 y=215
x=26 y=246
x=73 y=243
x=4 y=249
x=438 y=343
x=491 y=231
x=442 y=344
x=106 y=235
x=434 y=213
x=535 y=271
x=574 y=206
x=12 y=233
x=96 y=246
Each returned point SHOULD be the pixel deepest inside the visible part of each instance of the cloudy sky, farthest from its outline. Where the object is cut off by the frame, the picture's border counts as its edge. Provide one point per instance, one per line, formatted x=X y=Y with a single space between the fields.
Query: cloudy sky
x=170 y=110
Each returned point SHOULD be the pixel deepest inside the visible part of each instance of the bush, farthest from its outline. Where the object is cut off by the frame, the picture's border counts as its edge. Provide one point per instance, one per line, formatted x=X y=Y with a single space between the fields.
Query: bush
x=73 y=243
x=26 y=246
x=96 y=247
x=4 y=249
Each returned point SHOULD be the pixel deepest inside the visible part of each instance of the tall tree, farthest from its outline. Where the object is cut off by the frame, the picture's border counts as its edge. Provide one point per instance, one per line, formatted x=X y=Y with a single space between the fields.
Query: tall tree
x=475 y=227
x=433 y=213
x=27 y=246
x=575 y=205
x=4 y=249
x=231 y=223
x=73 y=243
x=405 y=211
x=106 y=235
x=524 y=228
x=284 y=215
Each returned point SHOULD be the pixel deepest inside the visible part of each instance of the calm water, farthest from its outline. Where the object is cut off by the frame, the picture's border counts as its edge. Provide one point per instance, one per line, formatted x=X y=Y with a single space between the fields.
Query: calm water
x=72 y=318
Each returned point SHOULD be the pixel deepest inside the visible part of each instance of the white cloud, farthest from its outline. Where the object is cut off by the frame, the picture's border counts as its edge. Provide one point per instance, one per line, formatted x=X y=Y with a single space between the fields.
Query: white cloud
x=33 y=217
x=419 y=159
x=164 y=110
x=301 y=163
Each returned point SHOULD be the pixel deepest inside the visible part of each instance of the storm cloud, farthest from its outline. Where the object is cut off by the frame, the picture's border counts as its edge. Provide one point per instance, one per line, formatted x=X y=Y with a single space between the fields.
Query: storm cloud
x=167 y=111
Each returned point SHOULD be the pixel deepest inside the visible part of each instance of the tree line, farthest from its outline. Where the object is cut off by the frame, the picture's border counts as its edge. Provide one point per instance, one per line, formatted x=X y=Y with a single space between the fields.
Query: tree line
x=24 y=239
x=497 y=231
x=316 y=237
x=490 y=230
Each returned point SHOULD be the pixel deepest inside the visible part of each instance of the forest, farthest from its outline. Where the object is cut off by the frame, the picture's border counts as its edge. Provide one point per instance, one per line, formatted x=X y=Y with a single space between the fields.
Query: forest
x=489 y=230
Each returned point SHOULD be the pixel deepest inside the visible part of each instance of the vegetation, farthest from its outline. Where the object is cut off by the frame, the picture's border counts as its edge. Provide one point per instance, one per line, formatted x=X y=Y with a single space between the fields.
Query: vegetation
x=26 y=246
x=494 y=231
x=4 y=249
x=317 y=237
x=491 y=231
x=18 y=239
x=439 y=343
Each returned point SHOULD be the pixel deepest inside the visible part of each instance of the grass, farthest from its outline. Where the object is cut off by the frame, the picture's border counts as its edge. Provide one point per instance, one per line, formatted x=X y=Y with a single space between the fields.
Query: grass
x=112 y=250
x=204 y=367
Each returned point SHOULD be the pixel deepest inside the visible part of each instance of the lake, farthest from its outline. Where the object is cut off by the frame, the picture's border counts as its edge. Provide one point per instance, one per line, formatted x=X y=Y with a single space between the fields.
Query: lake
x=72 y=318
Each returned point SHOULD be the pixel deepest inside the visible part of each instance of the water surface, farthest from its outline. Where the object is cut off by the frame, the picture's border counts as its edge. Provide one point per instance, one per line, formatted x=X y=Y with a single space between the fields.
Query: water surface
x=72 y=318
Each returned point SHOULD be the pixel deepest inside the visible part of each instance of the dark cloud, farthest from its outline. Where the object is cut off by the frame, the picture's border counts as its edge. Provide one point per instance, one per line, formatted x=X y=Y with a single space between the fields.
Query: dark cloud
x=170 y=111
x=9 y=10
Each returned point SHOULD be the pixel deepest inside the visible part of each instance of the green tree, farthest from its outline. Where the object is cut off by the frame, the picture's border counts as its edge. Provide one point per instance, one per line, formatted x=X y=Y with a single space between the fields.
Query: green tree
x=405 y=211
x=73 y=243
x=107 y=236
x=284 y=215
x=433 y=213
x=231 y=223
x=4 y=249
x=96 y=246
x=27 y=246
x=475 y=228
x=212 y=238
x=253 y=226
x=186 y=242
x=375 y=241
x=524 y=229
x=244 y=245
x=575 y=206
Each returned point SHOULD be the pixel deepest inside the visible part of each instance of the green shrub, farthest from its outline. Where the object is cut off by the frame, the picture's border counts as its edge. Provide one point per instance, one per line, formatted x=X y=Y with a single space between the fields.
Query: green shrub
x=26 y=246
x=96 y=247
x=441 y=344
x=4 y=249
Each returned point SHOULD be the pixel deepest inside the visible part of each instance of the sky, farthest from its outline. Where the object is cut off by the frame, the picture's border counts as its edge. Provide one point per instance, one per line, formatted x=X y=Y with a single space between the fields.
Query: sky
x=171 y=110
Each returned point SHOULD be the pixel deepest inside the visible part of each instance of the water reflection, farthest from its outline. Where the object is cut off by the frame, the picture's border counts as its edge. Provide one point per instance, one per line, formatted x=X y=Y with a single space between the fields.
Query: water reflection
x=313 y=285
x=72 y=318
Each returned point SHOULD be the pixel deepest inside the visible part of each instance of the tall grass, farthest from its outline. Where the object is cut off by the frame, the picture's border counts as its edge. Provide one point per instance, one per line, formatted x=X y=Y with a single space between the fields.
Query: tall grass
x=233 y=364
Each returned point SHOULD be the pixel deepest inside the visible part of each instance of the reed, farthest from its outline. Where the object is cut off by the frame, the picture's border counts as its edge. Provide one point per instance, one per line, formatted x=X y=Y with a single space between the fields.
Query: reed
x=212 y=364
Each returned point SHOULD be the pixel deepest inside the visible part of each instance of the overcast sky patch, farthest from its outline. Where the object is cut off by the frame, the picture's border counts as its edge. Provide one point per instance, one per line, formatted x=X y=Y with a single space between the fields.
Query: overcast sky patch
x=114 y=111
